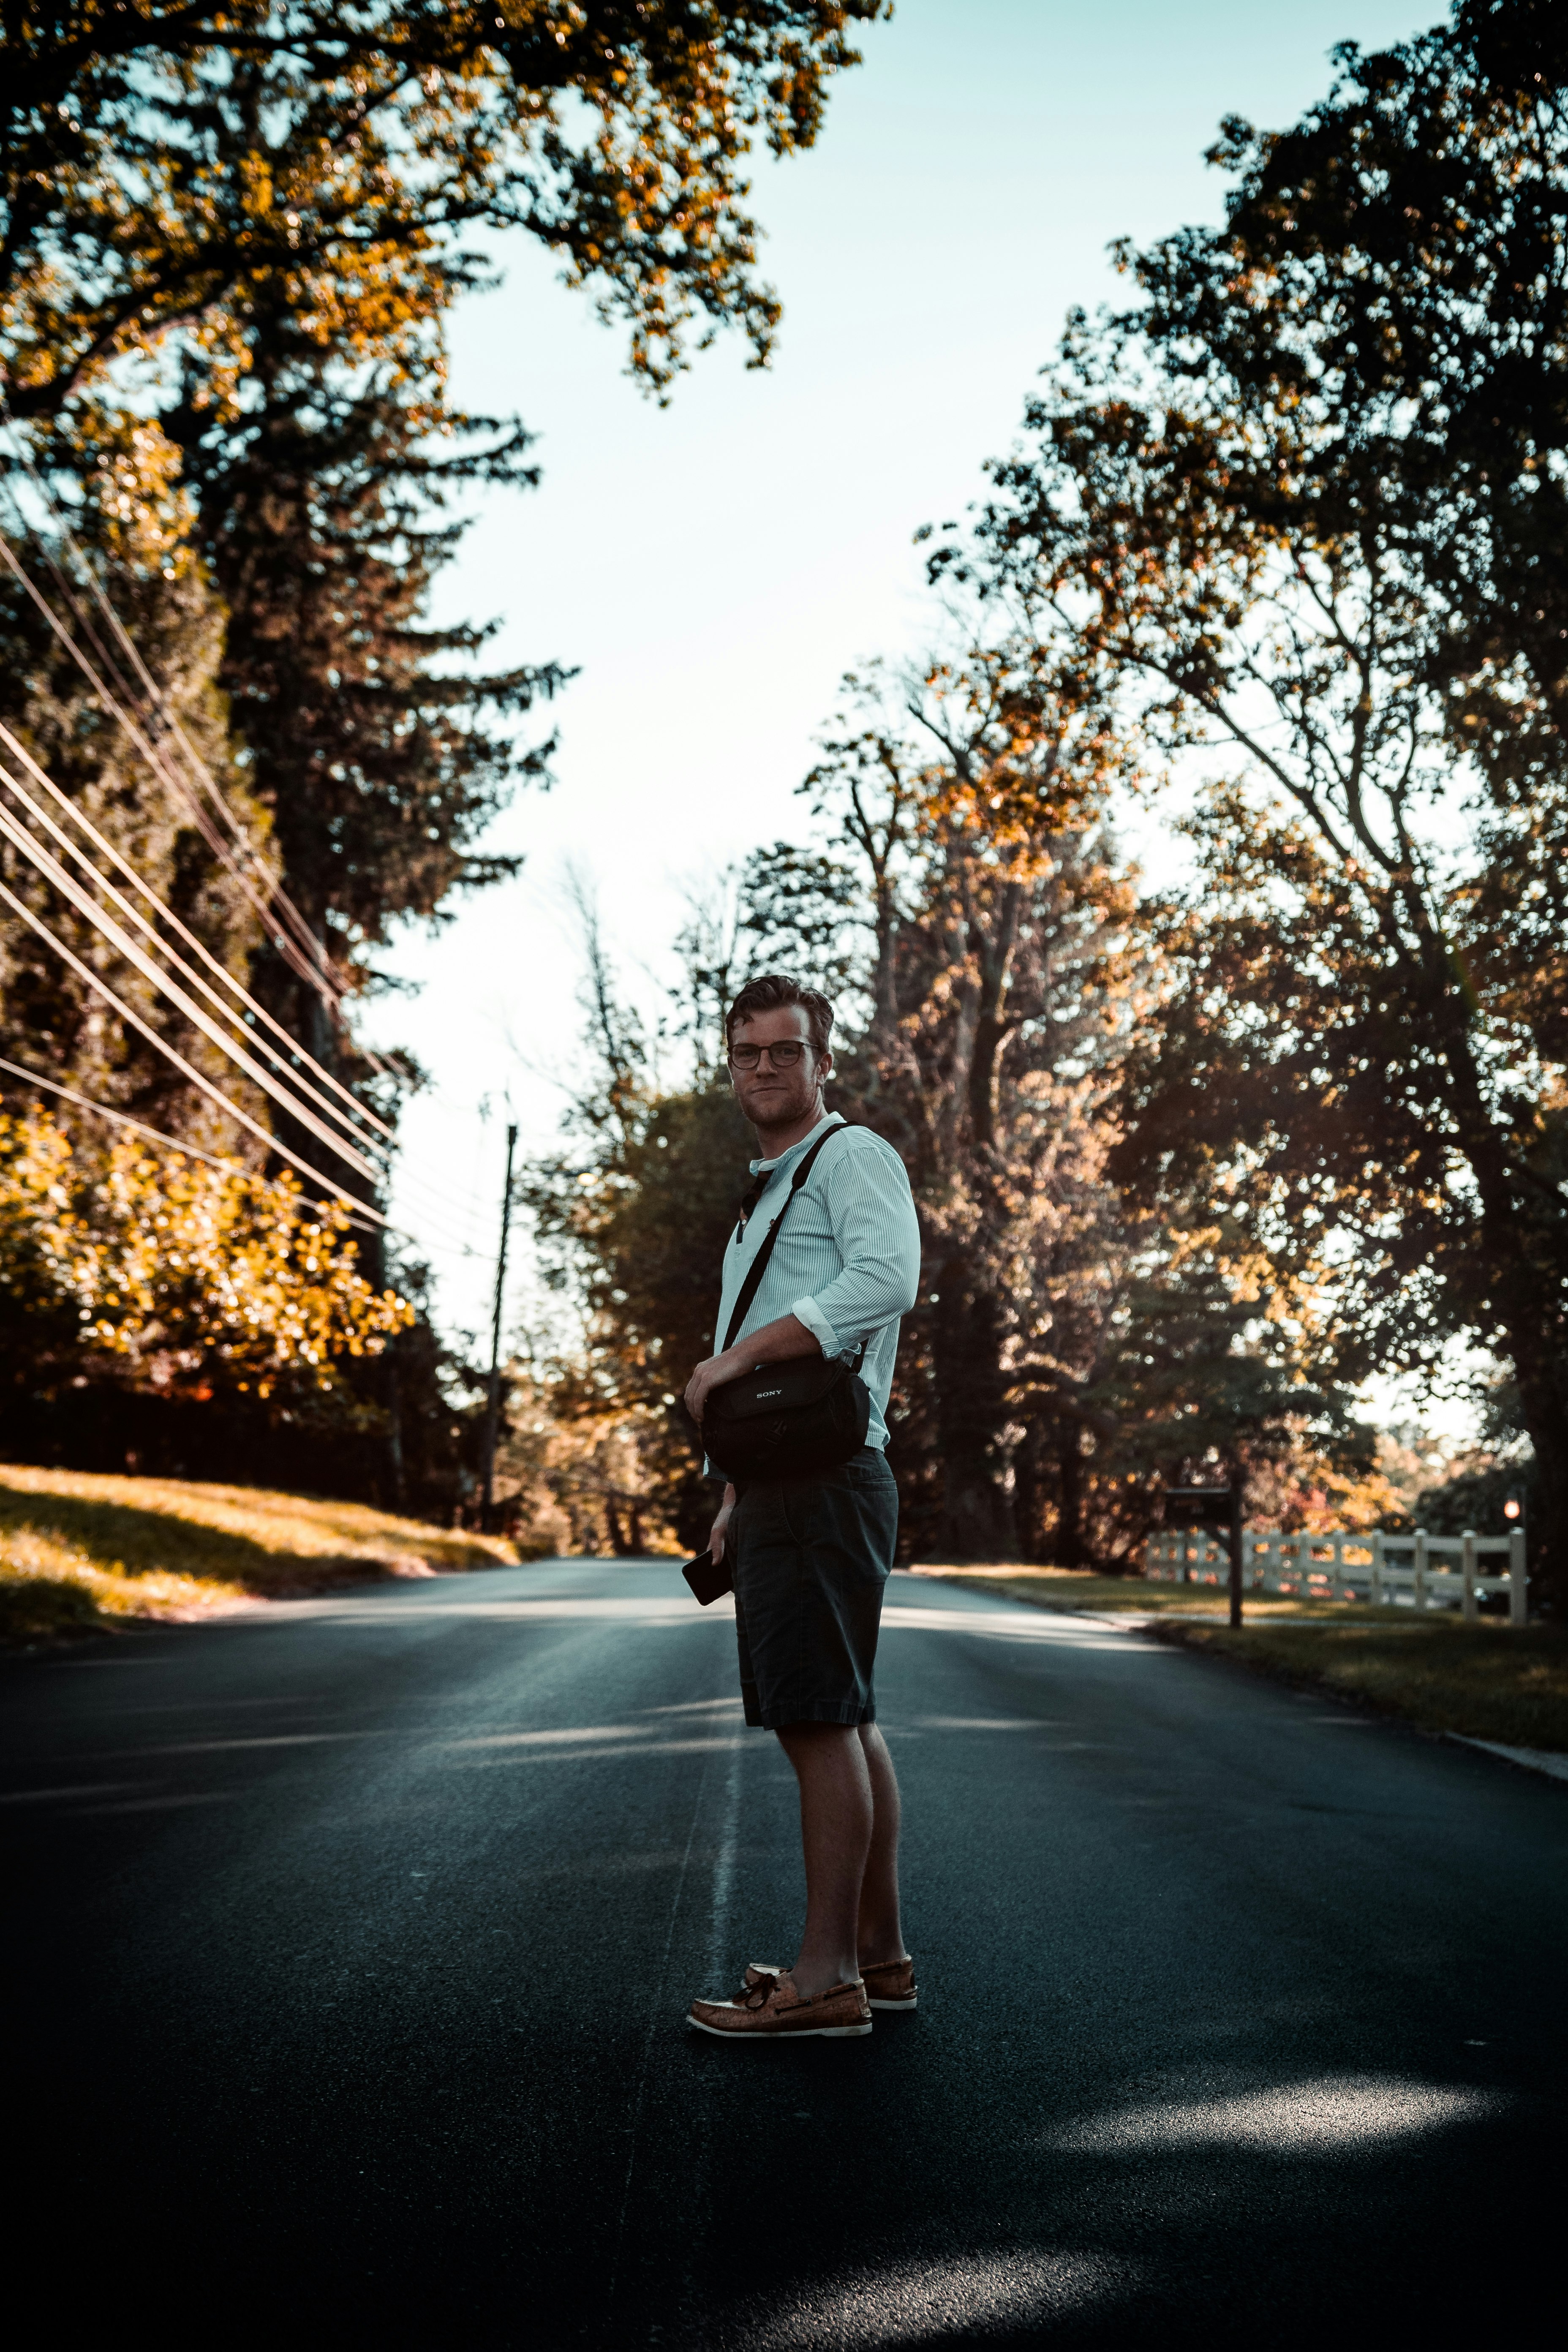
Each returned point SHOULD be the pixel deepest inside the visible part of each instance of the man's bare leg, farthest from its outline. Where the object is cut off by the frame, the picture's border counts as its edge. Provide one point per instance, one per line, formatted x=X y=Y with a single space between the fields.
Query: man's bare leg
x=879 y=1931
x=836 y=1829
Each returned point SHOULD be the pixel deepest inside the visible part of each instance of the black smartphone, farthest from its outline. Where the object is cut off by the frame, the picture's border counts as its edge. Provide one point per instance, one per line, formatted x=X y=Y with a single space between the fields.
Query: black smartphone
x=708 y=1580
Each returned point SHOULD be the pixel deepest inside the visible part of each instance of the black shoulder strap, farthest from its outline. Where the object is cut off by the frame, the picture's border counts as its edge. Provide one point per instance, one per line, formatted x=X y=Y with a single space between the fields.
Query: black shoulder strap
x=759 y=1265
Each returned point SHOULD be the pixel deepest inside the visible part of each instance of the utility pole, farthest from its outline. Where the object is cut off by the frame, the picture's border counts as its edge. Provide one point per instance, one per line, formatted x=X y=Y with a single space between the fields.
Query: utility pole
x=493 y=1416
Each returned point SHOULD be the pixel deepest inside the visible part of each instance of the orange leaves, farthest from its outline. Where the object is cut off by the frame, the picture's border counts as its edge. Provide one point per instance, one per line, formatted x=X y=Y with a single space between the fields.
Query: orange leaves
x=152 y=189
x=163 y=1273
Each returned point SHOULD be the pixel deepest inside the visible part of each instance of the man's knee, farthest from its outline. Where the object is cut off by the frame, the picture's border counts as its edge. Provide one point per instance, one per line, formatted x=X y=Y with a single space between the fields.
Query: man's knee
x=809 y=1739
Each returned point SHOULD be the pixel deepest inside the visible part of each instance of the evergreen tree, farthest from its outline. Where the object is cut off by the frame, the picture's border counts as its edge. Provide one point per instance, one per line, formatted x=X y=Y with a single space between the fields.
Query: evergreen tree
x=131 y=516
x=322 y=508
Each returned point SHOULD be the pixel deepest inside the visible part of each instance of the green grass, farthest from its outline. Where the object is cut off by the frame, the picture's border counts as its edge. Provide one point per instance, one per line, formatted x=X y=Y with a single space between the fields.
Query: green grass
x=1485 y=1681
x=79 y=1551
x=1075 y=1588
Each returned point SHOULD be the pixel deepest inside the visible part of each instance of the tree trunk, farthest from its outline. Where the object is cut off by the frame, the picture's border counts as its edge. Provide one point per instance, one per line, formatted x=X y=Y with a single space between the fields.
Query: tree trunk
x=1070 y=1553
x=395 y=1464
x=977 y=1518
x=1524 y=1284
x=1034 y=1494
x=1542 y=1378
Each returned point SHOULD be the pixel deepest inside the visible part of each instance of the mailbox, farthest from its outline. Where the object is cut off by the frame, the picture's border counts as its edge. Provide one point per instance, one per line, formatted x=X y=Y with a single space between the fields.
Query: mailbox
x=1218 y=1509
x=1197 y=1506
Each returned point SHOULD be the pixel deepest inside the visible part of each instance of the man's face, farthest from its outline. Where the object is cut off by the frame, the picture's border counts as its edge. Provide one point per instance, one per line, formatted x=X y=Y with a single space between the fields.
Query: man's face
x=772 y=1097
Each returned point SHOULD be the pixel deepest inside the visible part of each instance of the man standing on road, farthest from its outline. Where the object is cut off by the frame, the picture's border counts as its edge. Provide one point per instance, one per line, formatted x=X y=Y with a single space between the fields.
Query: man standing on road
x=810 y=1553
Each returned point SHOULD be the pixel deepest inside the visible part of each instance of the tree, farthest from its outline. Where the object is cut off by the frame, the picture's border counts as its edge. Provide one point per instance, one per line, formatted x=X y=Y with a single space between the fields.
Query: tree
x=632 y=1217
x=992 y=989
x=1074 y=1347
x=1398 y=260
x=244 y=223
x=133 y=515
x=163 y=167
x=156 y=1273
x=231 y=238
x=1235 y=525
x=321 y=508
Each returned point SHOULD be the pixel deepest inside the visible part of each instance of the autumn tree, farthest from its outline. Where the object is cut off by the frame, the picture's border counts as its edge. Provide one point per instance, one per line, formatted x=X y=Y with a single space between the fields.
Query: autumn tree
x=241 y=234
x=1398 y=260
x=164 y=168
x=963 y=847
x=143 y=1277
x=1236 y=495
x=378 y=742
x=1072 y=1348
x=258 y=213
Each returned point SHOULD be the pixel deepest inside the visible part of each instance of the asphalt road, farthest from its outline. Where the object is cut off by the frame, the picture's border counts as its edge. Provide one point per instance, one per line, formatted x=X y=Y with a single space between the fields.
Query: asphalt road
x=350 y=1944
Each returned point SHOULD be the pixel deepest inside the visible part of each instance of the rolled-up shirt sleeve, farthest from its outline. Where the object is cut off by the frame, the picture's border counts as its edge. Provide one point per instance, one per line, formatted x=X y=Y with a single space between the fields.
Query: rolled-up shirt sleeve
x=874 y=1227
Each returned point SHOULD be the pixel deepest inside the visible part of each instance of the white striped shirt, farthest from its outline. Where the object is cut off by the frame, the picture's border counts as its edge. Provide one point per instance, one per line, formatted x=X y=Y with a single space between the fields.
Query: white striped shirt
x=848 y=1259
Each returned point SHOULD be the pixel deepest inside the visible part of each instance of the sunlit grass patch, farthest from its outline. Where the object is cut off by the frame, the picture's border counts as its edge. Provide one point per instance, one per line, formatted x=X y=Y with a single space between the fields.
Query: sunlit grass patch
x=50 y=1585
x=78 y=1550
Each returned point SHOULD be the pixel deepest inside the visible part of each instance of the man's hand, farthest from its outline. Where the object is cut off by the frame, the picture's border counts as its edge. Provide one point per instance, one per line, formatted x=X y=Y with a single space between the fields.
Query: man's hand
x=715 y=1537
x=709 y=1374
x=774 y=1343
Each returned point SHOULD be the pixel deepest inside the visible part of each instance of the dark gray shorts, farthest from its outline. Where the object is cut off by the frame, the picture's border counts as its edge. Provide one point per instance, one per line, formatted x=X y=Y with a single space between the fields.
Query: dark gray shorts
x=811 y=1557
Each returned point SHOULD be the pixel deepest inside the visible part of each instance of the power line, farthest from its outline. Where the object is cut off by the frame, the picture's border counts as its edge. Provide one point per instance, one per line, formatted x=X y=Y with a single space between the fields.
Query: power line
x=286 y=947
x=146 y=743
x=431 y=1193
x=435 y=1202
x=323 y=979
x=154 y=1135
x=53 y=871
x=134 y=914
x=297 y=1051
x=358 y=1210
x=121 y=1118
x=46 y=866
x=162 y=1046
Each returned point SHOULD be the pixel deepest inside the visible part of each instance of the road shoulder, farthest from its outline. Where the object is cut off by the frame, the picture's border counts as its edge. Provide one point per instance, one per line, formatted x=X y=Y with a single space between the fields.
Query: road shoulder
x=1489 y=1685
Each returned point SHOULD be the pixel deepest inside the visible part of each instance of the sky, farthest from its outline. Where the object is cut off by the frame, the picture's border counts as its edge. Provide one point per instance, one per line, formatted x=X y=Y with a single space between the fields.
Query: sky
x=713 y=567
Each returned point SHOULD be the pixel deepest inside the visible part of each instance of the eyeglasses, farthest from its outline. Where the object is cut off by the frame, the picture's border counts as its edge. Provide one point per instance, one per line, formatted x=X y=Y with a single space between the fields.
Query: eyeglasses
x=783 y=1057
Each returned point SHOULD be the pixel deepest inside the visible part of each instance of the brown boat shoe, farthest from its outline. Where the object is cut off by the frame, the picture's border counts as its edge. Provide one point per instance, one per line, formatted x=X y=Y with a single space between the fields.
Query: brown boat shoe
x=889 y=1984
x=772 y=2006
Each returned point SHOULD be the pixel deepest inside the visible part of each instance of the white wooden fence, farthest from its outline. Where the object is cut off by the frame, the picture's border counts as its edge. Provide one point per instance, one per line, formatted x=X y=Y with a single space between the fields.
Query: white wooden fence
x=1436 y=1572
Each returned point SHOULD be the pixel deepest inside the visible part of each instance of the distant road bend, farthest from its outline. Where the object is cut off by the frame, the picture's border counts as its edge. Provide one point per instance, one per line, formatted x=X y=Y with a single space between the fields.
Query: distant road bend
x=351 y=1941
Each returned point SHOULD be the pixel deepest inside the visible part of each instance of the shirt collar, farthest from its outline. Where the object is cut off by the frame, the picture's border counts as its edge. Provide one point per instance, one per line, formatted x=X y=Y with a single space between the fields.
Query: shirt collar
x=828 y=1119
